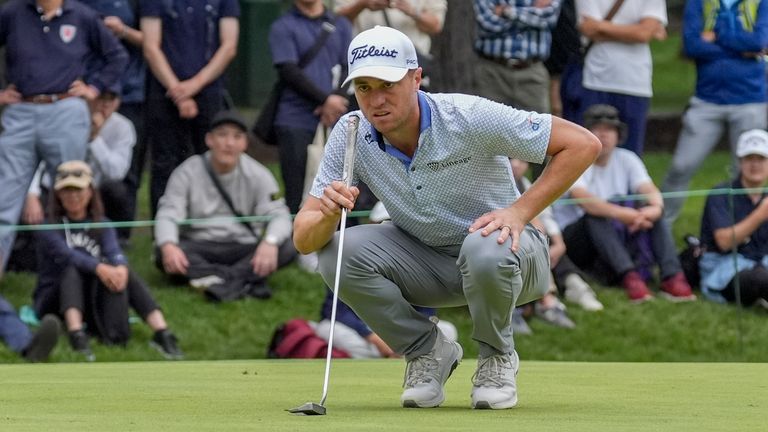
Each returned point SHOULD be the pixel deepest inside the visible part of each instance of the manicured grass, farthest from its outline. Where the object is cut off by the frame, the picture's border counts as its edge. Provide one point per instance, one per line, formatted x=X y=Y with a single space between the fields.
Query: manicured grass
x=364 y=396
x=657 y=331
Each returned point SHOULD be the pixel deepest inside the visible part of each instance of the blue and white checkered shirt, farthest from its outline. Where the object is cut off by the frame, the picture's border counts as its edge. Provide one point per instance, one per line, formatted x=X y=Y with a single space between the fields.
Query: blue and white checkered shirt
x=522 y=32
x=460 y=169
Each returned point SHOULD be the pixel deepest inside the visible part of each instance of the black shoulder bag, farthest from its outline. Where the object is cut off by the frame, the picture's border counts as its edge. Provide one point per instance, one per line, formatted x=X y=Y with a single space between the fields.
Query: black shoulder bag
x=264 y=127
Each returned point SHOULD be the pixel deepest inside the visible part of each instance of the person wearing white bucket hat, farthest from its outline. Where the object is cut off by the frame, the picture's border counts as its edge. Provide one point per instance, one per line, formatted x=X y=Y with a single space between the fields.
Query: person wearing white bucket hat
x=459 y=233
x=738 y=221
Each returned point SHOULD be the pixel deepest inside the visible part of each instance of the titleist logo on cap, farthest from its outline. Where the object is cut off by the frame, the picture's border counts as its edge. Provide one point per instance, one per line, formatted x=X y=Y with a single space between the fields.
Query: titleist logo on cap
x=364 y=51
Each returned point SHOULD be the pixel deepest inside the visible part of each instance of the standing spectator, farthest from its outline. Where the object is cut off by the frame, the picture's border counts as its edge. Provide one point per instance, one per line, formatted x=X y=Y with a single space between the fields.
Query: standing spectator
x=726 y=44
x=310 y=93
x=566 y=48
x=601 y=234
x=418 y=19
x=47 y=46
x=122 y=18
x=84 y=275
x=109 y=155
x=738 y=222
x=513 y=40
x=32 y=347
x=228 y=260
x=618 y=66
x=188 y=44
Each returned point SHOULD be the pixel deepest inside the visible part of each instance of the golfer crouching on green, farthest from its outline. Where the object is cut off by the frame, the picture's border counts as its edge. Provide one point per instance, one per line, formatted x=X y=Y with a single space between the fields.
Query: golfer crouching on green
x=459 y=233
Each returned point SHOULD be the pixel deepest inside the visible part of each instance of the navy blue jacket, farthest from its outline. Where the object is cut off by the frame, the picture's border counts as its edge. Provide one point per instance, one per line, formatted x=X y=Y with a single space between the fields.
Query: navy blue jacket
x=44 y=57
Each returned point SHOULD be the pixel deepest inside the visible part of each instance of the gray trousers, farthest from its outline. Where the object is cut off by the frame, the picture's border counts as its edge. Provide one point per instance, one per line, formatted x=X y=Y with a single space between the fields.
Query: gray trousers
x=385 y=270
x=703 y=126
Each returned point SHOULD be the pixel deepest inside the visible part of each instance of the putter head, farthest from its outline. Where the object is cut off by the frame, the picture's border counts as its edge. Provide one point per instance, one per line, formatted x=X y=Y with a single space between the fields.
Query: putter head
x=309 y=408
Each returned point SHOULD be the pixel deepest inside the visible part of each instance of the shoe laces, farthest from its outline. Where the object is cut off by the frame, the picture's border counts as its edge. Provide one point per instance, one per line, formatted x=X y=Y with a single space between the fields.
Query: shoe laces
x=492 y=371
x=422 y=369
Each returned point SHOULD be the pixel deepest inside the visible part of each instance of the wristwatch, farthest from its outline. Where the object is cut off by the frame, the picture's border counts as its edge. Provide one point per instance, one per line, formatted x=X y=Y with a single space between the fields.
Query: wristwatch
x=271 y=239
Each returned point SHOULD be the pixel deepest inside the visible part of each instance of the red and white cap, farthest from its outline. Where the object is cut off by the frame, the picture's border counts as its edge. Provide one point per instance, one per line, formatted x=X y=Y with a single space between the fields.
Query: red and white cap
x=381 y=52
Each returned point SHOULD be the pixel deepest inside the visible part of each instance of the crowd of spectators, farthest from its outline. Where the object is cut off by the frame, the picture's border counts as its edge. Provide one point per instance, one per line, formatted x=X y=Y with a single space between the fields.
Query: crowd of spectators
x=93 y=87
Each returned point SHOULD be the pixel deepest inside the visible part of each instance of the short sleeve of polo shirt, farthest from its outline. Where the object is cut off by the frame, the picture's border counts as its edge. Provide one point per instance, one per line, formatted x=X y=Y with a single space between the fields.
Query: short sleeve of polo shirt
x=281 y=43
x=716 y=211
x=152 y=8
x=502 y=130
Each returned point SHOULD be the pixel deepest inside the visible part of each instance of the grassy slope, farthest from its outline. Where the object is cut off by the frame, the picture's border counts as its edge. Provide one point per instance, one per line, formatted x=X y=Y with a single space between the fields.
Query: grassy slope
x=252 y=395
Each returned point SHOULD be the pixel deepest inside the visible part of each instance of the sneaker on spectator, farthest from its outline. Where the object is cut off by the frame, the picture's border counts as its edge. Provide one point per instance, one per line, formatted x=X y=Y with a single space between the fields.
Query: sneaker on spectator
x=205 y=282
x=635 y=286
x=425 y=376
x=676 y=289
x=166 y=343
x=554 y=314
x=579 y=292
x=44 y=340
x=78 y=340
x=493 y=384
x=519 y=324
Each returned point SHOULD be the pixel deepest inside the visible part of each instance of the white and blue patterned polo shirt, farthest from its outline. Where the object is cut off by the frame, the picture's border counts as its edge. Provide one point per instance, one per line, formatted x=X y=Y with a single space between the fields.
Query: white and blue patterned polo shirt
x=460 y=169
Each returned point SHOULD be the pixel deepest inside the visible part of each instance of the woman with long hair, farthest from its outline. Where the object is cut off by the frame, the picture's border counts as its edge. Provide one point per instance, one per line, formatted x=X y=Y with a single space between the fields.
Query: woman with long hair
x=83 y=274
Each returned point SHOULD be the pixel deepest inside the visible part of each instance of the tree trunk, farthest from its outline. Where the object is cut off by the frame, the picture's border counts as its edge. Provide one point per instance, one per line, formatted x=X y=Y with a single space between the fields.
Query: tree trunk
x=452 y=49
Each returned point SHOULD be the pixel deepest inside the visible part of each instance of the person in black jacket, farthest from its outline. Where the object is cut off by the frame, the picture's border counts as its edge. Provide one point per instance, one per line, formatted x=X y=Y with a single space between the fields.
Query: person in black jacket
x=83 y=274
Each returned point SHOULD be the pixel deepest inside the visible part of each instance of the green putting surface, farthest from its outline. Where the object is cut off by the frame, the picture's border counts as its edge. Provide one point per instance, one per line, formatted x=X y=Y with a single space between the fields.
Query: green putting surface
x=364 y=395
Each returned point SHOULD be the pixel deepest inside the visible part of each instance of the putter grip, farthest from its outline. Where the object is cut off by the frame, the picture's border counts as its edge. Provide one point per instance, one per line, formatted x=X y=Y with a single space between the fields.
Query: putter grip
x=349 y=152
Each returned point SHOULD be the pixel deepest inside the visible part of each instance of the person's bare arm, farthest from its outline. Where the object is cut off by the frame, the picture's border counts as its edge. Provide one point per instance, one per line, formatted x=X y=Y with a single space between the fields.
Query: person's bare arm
x=599 y=207
x=125 y=32
x=425 y=21
x=644 y=31
x=152 y=28
x=318 y=218
x=229 y=30
x=654 y=202
x=353 y=9
x=729 y=237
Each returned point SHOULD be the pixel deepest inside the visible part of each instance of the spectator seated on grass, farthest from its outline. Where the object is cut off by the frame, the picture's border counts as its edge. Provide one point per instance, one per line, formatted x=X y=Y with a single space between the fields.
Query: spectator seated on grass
x=226 y=259
x=619 y=242
x=83 y=274
x=746 y=279
x=32 y=347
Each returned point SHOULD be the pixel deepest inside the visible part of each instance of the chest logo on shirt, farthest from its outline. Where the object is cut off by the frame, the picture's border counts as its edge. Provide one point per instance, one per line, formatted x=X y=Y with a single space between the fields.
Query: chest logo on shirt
x=67 y=32
x=436 y=166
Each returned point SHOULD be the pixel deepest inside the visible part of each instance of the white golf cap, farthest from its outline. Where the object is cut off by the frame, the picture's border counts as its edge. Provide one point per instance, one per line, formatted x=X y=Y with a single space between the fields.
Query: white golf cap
x=753 y=141
x=381 y=52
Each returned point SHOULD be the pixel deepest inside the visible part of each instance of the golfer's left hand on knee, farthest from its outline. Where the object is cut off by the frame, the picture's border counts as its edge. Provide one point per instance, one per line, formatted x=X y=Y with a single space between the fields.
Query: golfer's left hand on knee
x=506 y=221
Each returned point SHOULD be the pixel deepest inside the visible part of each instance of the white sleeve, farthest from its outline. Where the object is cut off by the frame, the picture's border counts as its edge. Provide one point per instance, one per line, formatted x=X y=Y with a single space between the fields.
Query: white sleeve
x=35 y=188
x=655 y=9
x=112 y=150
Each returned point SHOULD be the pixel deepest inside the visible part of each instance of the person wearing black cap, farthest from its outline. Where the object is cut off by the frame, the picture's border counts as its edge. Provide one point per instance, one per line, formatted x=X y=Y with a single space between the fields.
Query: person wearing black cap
x=602 y=230
x=227 y=259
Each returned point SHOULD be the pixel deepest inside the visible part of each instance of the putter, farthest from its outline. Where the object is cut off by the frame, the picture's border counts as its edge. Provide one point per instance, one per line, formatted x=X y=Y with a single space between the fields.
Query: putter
x=311 y=408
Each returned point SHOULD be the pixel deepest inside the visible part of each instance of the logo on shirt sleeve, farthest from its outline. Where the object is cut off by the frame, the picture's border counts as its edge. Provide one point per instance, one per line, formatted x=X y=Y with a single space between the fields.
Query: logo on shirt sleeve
x=535 y=121
x=67 y=32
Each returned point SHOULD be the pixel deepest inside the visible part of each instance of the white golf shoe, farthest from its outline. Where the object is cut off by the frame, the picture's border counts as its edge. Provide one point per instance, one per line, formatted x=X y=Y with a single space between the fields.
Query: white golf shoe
x=426 y=375
x=579 y=292
x=494 y=385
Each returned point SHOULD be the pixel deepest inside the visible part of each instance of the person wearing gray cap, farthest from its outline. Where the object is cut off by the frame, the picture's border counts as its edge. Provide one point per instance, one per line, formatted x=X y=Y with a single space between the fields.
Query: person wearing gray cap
x=738 y=221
